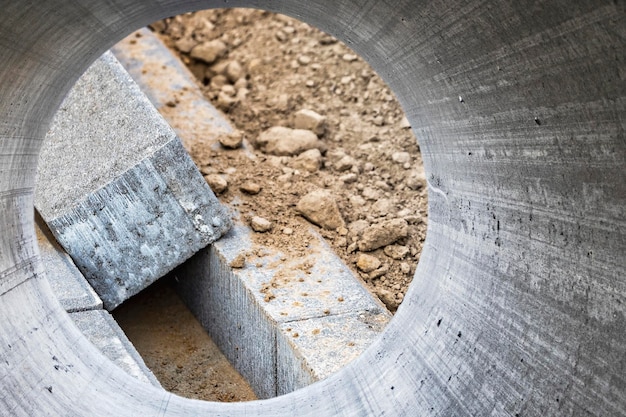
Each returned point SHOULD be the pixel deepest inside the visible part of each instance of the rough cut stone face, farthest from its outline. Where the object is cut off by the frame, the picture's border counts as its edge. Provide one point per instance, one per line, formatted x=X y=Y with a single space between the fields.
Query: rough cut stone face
x=118 y=190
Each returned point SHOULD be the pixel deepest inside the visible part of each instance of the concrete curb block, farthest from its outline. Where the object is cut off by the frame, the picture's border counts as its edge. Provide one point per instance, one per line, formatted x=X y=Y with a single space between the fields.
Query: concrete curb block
x=319 y=319
x=118 y=190
x=69 y=285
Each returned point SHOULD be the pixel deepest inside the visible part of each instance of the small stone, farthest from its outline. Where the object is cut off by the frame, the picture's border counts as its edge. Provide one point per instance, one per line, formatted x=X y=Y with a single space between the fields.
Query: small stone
x=349 y=57
x=309 y=161
x=260 y=225
x=388 y=298
x=357 y=201
x=383 y=234
x=234 y=71
x=345 y=163
x=371 y=194
x=357 y=227
x=396 y=252
x=185 y=44
x=382 y=207
x=225 y=101
x=405 y=268
x=310 y=120
x=401 y=157
x=250 y=187
x=281 y=36
x=239 y=261
x=229 y=90
x=320 y=208
x=304 y=60
x=349 y=178
x=404 y=123
x=379 y=272
x=416 y=180
x=283 y=141
x=367 y=263
x=378 y=120
x=217 y=183
x=218 y=81
x=231 y=140
x=288 y=231
x=209 y=51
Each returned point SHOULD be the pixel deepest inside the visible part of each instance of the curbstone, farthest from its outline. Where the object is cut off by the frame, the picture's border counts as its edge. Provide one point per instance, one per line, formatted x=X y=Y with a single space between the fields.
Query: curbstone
x=117 y=188
x=68 y=284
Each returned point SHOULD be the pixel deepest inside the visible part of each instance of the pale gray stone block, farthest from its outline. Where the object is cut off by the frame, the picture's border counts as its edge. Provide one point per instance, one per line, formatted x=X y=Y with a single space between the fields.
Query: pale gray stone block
x=70 y=287
x=118 y=190
x=231 y=305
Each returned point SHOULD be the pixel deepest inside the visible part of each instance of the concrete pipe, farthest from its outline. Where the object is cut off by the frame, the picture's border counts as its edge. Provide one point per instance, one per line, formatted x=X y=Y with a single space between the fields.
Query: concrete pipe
x=518 y=307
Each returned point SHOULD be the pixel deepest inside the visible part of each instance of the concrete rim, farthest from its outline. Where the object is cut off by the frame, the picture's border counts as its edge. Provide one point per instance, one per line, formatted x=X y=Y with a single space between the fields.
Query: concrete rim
x=519 y=302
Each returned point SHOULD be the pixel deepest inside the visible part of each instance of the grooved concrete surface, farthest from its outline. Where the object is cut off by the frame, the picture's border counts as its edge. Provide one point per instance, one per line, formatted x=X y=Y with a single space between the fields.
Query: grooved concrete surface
x=518 y=304
x=117 y=188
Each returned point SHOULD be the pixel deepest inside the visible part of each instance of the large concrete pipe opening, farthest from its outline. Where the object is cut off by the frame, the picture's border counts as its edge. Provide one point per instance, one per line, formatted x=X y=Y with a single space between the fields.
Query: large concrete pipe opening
x=518 y=304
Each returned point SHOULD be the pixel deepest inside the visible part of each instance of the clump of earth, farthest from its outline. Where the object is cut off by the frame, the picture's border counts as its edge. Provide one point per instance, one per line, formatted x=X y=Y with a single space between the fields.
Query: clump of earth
x=321 y=142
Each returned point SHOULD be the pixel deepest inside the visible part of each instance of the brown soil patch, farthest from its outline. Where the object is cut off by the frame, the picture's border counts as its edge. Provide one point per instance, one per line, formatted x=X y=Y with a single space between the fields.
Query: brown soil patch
x=268 y=67
x=177 y=349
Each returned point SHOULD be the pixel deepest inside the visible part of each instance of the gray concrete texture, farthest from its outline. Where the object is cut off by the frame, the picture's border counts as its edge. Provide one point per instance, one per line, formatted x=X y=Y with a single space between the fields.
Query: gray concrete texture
x=517 y=306
x=118 y=190
x=313 y=324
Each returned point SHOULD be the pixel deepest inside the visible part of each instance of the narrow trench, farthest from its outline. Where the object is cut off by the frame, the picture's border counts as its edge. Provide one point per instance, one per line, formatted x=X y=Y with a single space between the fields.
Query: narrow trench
x=177 y=349
x=272 y=67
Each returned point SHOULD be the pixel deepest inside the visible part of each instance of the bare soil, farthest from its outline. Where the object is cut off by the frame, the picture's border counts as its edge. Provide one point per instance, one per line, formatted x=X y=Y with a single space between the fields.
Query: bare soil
x=263 y=69
x=177 y=349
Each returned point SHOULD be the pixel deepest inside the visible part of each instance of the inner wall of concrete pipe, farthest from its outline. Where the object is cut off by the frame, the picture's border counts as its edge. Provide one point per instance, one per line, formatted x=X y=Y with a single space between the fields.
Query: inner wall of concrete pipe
x=518 y=306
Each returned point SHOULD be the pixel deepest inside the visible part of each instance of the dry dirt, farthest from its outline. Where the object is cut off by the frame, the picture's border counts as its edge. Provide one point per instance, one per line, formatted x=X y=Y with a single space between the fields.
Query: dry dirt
x=177 y=349
x=263 y=70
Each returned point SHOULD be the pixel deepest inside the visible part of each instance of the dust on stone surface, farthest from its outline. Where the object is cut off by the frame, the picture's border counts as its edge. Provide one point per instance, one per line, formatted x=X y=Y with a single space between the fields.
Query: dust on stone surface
x=341 y=131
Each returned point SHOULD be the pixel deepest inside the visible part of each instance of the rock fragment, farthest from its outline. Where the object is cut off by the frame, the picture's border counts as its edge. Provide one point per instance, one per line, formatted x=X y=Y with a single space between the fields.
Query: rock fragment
x=310 y=160
x=239 y=261
x=283 y=141
x=396 y=252
x=401 y=157
x=217 y=183
x=345 y=163
x=383 y=234
x=319 y=207
x=209 y=51
x=310 y=120
x=388 y=298
x=416 y=180
x=250 y=187
x=260 y=224
x=231 y=140
x=367 y=263
x=234 y=71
